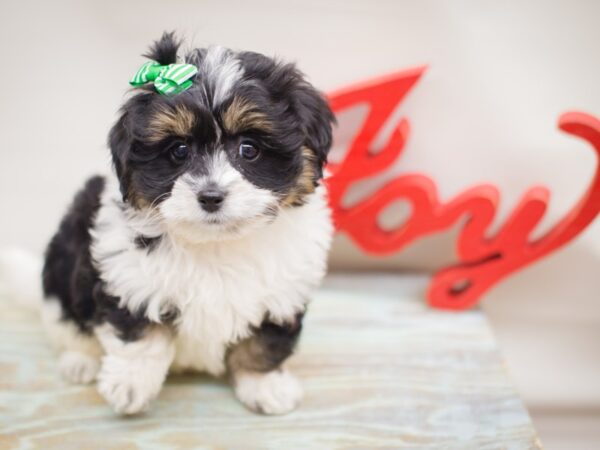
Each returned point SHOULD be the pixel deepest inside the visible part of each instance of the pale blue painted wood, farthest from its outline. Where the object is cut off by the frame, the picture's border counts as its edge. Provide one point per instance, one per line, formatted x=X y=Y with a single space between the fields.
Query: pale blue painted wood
x=379 y=370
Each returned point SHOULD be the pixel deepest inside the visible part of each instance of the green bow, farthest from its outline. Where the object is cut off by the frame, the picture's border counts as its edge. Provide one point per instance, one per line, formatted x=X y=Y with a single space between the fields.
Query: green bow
x=168 y=80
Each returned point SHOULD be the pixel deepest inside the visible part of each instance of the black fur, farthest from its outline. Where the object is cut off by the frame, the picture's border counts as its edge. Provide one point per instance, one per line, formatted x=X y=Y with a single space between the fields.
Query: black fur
x=70 y=276
x=277 y=341
x=68 y=273
x=130 y=326
x=147 y=243
x=269 y=345
x=164 y=51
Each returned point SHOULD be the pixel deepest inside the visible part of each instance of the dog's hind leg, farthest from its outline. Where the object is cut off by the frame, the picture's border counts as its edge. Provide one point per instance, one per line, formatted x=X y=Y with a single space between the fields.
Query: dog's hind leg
x=79 y=353
x=20 y=279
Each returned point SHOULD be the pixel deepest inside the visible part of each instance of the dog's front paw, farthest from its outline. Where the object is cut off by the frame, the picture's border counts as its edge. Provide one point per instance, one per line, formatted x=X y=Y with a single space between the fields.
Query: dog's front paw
x=129 y=385
x=276 y=392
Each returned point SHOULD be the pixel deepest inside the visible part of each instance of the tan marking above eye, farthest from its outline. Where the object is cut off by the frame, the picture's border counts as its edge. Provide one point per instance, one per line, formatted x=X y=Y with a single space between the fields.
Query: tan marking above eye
x=242 y=115
x=305 y=183
x=179 y=121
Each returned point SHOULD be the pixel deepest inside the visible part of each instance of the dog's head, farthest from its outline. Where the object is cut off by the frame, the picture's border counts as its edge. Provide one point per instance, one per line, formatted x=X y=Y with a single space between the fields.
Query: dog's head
x=249 y=138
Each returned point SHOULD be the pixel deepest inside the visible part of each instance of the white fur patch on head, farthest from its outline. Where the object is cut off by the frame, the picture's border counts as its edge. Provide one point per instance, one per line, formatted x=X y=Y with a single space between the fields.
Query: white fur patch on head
x=276 y=392
x=222 y=71
x=245 y=207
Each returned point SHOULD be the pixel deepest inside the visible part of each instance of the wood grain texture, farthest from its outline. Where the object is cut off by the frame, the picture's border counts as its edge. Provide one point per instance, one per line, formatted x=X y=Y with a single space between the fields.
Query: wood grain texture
x=379 y=369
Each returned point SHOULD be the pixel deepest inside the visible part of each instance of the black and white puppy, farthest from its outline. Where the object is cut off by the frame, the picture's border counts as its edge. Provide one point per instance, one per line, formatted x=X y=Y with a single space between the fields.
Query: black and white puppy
x=201 y=252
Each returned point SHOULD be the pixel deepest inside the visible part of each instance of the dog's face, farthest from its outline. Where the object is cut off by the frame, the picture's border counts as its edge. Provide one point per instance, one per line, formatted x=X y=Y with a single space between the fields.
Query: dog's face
x=249 y=138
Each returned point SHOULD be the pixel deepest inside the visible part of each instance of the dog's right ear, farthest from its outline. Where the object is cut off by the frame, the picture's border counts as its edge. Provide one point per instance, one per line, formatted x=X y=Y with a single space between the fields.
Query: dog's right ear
x=121 y=136
x=119 y=142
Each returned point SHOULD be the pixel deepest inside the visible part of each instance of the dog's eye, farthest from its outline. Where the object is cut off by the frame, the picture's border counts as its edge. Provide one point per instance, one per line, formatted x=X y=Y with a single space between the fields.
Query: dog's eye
x=180 y=153
x=248 y=151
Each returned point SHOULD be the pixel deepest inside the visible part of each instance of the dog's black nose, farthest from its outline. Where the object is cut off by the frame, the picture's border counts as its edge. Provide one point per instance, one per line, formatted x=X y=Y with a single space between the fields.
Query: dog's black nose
x=211 y=199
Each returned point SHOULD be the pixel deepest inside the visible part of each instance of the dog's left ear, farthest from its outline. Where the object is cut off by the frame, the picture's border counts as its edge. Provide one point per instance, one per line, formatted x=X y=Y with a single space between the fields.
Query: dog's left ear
x=316 y=120
x=119 y=142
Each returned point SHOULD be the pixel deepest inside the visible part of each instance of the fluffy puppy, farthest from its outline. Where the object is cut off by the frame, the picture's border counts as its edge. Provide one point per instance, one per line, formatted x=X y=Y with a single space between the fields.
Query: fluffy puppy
x=201 y=251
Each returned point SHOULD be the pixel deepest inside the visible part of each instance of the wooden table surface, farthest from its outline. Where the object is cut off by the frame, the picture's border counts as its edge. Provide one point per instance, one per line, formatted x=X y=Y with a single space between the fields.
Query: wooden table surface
x=379 y=369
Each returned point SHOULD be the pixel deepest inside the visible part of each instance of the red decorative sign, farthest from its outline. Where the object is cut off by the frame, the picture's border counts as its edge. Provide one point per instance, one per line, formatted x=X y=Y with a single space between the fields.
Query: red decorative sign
x=483 y=261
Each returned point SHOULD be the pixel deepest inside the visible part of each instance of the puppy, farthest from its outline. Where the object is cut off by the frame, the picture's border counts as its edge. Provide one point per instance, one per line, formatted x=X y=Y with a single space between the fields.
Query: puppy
x=201 y=251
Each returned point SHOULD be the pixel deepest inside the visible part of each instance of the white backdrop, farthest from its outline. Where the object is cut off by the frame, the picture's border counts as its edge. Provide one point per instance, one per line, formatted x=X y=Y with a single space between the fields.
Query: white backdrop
x=500 y=75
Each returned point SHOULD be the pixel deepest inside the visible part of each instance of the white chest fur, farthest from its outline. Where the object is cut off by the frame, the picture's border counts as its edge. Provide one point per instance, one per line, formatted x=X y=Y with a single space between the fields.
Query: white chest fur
x=221 y=289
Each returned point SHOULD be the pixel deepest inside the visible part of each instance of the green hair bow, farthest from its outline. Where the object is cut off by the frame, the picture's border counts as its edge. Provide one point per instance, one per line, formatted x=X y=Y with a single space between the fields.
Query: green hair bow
x=168 y=80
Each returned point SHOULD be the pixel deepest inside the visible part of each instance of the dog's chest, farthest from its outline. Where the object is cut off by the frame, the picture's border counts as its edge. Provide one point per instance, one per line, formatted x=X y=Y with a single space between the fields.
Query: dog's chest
x=219 y=298
x=219 y=290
